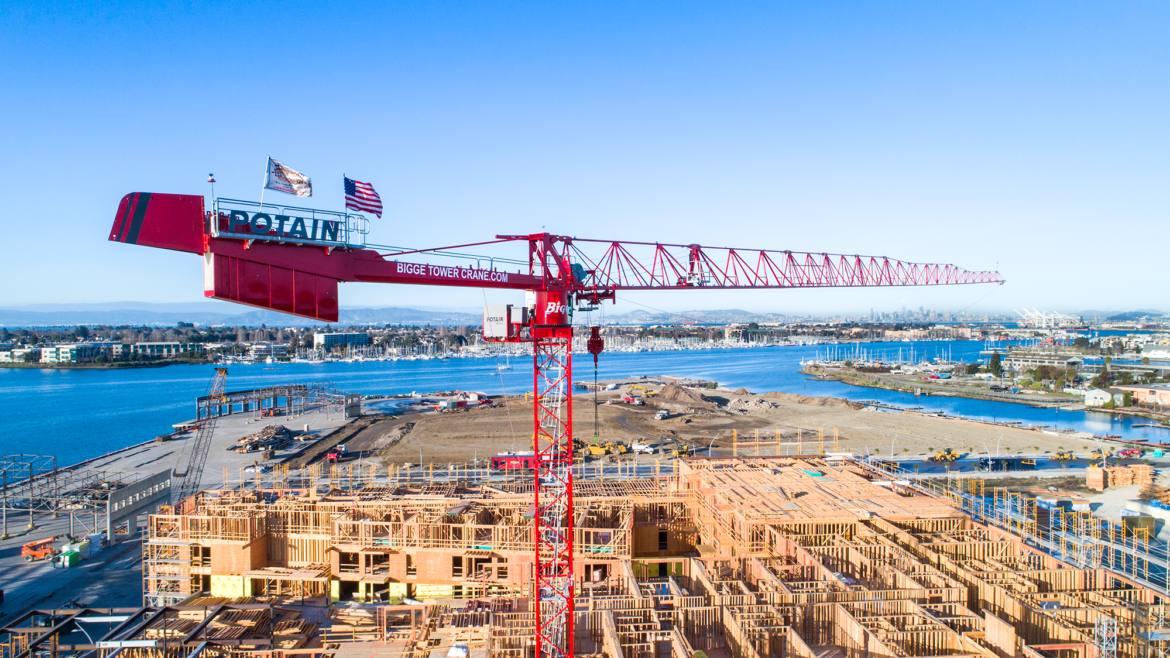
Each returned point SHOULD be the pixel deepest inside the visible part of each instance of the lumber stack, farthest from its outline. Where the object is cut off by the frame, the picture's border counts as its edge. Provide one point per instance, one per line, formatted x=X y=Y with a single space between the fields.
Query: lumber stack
x=292 y=633
x=1098 y=478
x=358 y=623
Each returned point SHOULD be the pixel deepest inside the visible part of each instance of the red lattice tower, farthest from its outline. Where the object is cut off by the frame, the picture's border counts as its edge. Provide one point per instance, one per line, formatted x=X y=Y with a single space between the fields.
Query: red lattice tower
x=553 y=585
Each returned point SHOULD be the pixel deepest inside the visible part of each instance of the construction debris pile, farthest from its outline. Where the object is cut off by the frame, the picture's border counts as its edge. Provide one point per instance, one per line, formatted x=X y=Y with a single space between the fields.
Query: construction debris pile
x=1100 y=478
x=272 y=437
x=750 y=404
x=685 y=400
x=836 y=403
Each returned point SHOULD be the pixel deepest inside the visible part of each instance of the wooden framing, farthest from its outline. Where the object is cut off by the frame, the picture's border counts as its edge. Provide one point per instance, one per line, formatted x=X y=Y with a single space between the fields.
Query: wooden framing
x=751 y=557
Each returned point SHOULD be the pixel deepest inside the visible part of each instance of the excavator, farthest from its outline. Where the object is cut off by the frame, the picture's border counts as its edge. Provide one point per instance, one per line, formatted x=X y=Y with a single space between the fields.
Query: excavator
x=645 y=391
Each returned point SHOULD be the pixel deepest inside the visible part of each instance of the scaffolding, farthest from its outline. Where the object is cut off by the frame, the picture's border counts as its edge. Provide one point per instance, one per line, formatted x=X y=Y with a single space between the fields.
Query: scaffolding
x=32 y=485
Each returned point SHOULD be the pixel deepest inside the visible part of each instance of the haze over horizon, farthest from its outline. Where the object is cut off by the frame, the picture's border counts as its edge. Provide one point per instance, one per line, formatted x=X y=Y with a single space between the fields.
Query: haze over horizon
x=1028 y=138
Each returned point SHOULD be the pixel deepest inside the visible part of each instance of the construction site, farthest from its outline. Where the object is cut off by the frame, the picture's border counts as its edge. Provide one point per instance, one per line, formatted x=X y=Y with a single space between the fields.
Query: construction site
x=790 y=555
x=740 y=556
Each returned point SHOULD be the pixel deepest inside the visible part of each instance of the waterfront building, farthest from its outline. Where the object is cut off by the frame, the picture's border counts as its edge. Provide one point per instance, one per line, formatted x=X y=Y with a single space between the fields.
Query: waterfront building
x=76 y=352
x=1095 y=397
x=1152 y=394
x=165 y=349
x=265 y=350
x=1021 y=361
x=16 y=355
x=329 y=341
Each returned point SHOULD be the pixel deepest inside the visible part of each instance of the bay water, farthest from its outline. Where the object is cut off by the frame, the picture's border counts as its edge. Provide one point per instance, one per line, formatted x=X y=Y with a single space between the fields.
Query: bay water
x=78 y=414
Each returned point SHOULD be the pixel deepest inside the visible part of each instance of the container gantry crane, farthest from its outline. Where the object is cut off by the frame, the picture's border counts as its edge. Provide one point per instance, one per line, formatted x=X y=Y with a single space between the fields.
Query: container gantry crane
x=291 y=260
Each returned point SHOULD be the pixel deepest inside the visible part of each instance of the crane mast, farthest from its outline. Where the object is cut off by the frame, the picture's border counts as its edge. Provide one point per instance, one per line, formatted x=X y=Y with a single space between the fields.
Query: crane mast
x=250 y=259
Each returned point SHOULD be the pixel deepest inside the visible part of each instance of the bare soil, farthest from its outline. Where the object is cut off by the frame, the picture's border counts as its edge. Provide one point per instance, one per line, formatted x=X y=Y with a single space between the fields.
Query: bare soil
x=698 y=417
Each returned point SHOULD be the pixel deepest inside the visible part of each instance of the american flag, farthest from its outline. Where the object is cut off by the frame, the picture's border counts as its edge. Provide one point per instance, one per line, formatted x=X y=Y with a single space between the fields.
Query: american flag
x=362 y=197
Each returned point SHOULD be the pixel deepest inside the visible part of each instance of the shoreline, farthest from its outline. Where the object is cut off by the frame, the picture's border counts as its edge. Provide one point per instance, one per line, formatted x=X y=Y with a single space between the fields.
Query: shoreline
x=858 y=380
x=121 y=365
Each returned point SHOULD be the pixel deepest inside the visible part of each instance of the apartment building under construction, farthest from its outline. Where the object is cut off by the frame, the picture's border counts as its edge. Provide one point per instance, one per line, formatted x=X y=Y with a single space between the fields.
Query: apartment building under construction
x=755 y=557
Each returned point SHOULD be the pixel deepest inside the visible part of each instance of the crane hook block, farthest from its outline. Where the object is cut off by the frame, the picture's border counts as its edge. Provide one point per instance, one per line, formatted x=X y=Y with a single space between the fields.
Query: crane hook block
x=596 y=344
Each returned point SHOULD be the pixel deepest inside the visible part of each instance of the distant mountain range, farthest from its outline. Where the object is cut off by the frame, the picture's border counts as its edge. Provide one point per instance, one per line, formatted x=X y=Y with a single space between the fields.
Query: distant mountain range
x=212 y=313
x=725 y=316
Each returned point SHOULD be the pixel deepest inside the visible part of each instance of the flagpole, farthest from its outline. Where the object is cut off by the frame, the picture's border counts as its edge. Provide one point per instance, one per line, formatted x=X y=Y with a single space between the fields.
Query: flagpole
x=267 y=164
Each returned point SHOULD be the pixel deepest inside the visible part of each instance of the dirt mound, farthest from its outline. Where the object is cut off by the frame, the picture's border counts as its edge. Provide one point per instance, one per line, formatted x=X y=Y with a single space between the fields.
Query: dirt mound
x=688 y=398
x=835 y=403
x=742 y=391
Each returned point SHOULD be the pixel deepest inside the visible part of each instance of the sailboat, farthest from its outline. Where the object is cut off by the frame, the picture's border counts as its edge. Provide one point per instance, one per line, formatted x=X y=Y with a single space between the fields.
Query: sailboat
x=507 y=365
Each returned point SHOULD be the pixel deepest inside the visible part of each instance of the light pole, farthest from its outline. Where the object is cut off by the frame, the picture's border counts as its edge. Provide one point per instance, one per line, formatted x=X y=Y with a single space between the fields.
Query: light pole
x=712 y=443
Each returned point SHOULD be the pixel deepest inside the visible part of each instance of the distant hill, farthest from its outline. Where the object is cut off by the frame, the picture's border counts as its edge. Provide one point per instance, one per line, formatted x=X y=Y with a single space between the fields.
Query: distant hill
x=212 y=313
x=725 y=316
x=1134 y=315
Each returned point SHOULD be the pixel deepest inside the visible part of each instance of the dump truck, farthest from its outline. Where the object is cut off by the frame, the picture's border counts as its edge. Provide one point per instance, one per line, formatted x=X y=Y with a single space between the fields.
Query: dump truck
x=682 y=451
x=41 y=549
x=642 y=449
x=662 y=414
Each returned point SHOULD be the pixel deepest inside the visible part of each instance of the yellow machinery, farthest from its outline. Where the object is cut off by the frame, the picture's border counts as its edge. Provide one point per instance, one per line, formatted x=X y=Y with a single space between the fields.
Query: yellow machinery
x=645 y=391
x=947 y=455
x=684 y=451
x=1098 y=454
x=1062 y=456
x=616 y=448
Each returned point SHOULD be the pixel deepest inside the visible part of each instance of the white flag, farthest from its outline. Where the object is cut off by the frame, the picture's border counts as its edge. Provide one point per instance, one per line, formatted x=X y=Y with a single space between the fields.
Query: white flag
x=287 y=180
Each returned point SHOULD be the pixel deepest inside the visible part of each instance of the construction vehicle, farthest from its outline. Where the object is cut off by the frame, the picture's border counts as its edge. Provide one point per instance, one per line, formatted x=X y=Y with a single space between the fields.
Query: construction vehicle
x=41 y=549
x=1101 y=454
x=682 y=451
x=251 y=258
x=615 y=447
x=947 y=455
x=645 y=392
x=662 y=414
x=1063 y=456
x=637 y=402
x=1130 y=453
x=641 y=449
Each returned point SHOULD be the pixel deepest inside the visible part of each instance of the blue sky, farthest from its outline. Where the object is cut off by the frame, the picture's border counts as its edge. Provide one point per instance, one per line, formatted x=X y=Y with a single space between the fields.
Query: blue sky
x=1028 y=135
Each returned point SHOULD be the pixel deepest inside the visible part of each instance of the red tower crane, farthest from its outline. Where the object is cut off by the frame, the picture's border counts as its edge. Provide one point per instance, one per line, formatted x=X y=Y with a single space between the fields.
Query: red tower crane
x=291 y=259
